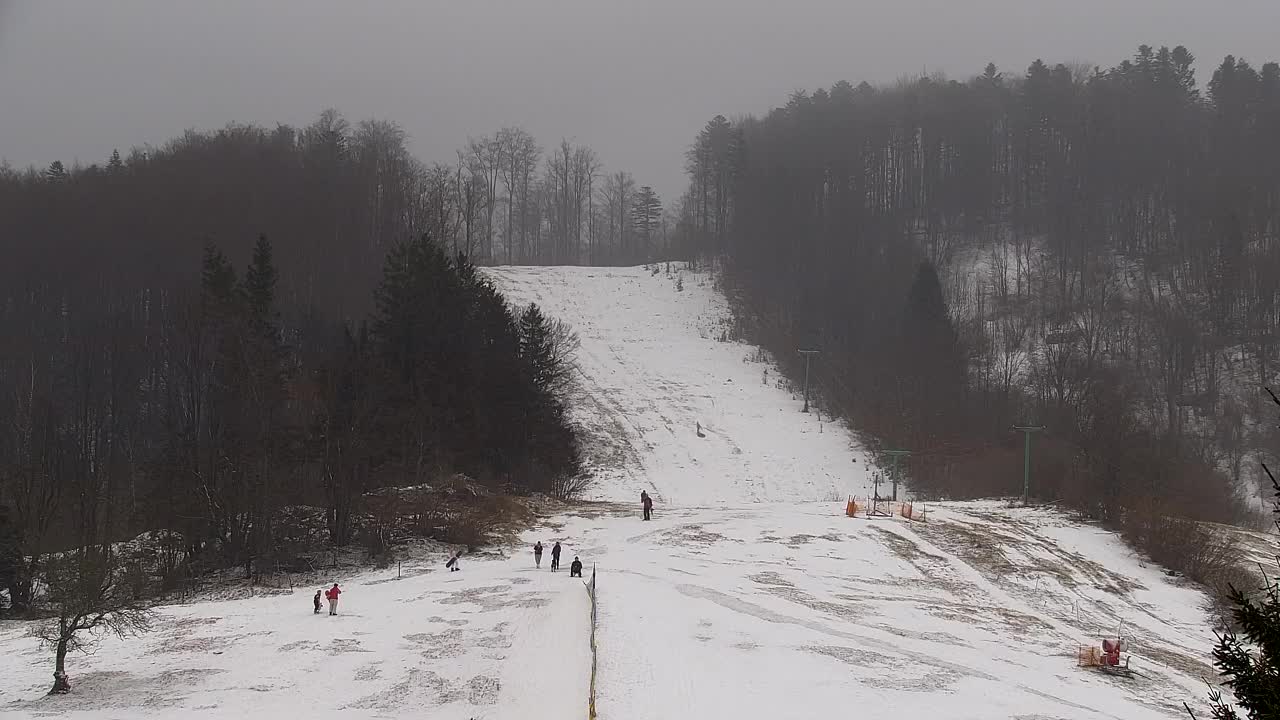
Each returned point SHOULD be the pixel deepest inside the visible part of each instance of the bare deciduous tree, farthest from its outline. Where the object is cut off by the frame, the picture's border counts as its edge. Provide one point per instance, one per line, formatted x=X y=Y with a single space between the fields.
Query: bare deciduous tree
x=86 y=594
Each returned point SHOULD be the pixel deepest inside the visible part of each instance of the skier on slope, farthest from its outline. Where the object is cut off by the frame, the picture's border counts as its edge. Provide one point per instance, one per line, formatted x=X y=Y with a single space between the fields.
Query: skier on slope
x=537 y=554
x=555 y=556
x=332 y=595
x=453 y=563
x=575 y=568
x=646 y=502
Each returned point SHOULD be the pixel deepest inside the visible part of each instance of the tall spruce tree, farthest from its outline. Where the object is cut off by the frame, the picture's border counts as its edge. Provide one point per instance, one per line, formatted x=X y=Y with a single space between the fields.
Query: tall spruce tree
x=260 y=283
x=56 y=172
x=535 y=347
x=267 y=432
x=930 y=364
x=1249 y=660
x=554 y=451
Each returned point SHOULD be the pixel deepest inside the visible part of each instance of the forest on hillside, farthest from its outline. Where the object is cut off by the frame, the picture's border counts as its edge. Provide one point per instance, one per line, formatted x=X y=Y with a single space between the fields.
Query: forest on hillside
x=242 y=343
x=333 y=197
x=1091 y=250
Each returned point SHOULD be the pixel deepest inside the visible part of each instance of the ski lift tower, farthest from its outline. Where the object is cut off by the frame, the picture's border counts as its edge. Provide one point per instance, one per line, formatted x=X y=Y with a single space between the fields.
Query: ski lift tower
x=895 y=454
x=808 y=354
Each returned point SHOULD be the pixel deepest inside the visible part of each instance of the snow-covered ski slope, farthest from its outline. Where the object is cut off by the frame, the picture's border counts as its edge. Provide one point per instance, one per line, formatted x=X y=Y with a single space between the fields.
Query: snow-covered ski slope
x=494 y=640
x=653 y=370
x=795 y=611
x=750 y=596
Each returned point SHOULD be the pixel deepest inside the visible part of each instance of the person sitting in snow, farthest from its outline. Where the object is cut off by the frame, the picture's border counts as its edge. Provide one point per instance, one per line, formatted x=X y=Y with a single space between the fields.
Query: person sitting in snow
x=555 y=556
x=453 y=564
x=332 y=595
x=646 y=503
x=316 y=601
x=575 y=568
x=537 y=554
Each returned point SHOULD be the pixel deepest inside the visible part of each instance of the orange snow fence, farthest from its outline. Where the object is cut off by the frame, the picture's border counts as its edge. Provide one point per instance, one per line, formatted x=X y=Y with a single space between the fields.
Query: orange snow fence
x=909 y=511
x=851 y=508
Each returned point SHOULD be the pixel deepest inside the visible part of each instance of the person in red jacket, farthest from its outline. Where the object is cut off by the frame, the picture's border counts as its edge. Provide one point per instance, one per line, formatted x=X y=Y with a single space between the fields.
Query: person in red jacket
x=332 y=595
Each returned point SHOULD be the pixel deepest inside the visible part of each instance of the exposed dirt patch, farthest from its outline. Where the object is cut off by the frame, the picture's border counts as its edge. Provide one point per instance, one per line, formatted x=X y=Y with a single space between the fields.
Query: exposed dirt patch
x=982 y=546
x=896 y=673
x=848 y=655
x=419 y=688
x=301 y=646
x=454 y=623
x=343 y=646
x=853 y=608
x=905 y=548
x=188 y=625
x=492 y=597
x=206 y=644
x=482 y=690
x=495 y=639
x=1181 y=662
x=771 y=579
x=695 y=535
x=441 y=645
x=802 y=539
x=114 y=690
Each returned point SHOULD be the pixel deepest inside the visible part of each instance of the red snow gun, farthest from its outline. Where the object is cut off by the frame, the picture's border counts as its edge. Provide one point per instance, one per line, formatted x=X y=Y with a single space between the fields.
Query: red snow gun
x=1110 y=660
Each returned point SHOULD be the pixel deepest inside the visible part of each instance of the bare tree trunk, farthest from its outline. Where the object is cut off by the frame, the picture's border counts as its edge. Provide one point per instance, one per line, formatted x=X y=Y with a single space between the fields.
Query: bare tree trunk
x=61 y=685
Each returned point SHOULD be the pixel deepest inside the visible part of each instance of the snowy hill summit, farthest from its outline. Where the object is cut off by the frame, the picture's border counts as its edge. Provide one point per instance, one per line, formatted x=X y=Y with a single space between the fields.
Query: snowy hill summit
x=669 y=406
x=749 y=595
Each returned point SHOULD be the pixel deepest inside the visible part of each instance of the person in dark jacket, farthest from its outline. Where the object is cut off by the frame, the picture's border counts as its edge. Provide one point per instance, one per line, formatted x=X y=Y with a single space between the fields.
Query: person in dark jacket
x=575 y=568
x=316 y=601
x=646 y=502
x=555 y=556
x=537 y=554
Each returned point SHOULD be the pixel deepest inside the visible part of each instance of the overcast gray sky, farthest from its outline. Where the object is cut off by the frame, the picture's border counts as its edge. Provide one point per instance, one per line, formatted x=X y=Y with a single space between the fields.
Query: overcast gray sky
x=633 y=79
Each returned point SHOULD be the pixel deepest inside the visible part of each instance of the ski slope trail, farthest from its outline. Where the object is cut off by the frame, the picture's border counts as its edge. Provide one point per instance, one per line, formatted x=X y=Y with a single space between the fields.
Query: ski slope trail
x=654 y=368
x=749 y=597
x=494 y=640
x=796 y=611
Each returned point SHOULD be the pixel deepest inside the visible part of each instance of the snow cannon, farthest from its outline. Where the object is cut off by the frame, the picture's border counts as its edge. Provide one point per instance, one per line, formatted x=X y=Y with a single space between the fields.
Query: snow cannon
x=1112 y=658
x=1111 y=651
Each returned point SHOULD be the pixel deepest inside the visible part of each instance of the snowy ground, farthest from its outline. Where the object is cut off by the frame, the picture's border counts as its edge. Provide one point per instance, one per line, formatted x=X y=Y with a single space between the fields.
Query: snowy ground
x=653 y=370
x=491 y=641
x=749 y=596
x=795 y=611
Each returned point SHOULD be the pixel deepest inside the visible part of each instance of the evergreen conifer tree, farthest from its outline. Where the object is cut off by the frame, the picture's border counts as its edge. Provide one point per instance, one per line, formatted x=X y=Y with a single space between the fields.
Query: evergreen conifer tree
x=1249 y=660
x=10 y=551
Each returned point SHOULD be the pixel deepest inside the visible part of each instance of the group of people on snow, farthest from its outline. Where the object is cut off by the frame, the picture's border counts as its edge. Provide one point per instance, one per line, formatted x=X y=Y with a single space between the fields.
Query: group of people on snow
x=331 y=595
x=575 y=568
x=454 y=563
